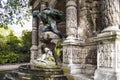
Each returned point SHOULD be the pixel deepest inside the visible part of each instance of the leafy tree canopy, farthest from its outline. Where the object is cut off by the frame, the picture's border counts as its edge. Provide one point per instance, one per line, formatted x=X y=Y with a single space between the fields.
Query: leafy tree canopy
x=14 y=11
x=14 y=49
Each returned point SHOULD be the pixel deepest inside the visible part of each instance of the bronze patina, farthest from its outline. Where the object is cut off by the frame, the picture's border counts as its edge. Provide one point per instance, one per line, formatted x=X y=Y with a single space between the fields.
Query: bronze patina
x=50 y=17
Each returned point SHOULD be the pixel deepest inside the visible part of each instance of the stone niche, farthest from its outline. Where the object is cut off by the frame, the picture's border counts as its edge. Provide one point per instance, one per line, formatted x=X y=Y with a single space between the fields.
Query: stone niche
x=79 y=53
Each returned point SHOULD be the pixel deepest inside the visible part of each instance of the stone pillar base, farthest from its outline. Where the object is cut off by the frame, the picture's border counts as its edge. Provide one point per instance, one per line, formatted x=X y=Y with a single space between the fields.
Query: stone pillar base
x=79 y=77
x=71 y=55
x=101 y=74
x=72 y=69
x=108 y=57
x=34 y=53
x=80 y=69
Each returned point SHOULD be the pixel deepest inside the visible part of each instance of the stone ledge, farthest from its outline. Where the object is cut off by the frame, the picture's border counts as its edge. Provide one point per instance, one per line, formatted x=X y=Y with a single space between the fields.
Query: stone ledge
x=79 y=77
x=11 y=66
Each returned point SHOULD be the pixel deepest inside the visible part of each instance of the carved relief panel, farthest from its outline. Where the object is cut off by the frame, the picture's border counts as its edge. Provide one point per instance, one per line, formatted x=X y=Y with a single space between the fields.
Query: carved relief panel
x=74 y=54
x=71 y=54
x=106 y=55
x=118 y=54
x=77 y=57
x=66 y=55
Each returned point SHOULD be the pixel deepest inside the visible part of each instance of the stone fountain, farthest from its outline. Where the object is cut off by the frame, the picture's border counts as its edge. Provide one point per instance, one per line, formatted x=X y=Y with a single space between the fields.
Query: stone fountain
x=47 y=65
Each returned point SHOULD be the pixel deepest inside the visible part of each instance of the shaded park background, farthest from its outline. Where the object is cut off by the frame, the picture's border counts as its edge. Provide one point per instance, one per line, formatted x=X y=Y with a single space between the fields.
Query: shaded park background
x=14 y=49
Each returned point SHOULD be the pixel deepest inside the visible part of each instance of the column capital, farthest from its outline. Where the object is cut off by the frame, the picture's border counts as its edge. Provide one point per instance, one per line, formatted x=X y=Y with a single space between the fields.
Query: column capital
x=71 y=3
x=71 y=0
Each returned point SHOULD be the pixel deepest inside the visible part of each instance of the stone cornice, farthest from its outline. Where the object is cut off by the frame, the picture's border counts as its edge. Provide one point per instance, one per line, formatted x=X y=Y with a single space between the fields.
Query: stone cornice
x=35 y=3
x=71 y=3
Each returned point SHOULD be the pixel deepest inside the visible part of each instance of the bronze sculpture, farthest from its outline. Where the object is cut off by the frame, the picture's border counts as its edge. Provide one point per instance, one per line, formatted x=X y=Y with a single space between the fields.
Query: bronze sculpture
x=50 y=17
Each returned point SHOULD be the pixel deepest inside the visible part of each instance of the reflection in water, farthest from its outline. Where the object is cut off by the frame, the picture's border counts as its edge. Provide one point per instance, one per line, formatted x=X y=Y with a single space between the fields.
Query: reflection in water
x=2 y=74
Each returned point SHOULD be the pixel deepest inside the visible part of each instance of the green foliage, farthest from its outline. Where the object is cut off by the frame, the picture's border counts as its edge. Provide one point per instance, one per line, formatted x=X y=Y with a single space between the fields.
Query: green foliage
x=58 y=48
x=15 y=49
x=4 y=26
x=13 y=43
x=26 y=41
x=8 y=57
x=3 y=58
x=23 y=58
x=14 y=11
x=12 y=57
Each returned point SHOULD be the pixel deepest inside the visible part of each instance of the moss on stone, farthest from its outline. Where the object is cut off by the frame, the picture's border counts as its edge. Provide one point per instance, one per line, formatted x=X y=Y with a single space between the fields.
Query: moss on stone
x=65 y=70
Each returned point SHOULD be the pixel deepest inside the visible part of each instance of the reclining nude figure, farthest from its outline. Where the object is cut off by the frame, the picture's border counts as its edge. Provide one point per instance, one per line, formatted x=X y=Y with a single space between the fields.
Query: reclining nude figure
x=50 y=17
x=46 y=60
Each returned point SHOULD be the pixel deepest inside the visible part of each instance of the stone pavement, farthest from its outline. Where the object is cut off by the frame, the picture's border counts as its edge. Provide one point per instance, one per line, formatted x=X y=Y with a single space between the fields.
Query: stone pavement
x=11 y=66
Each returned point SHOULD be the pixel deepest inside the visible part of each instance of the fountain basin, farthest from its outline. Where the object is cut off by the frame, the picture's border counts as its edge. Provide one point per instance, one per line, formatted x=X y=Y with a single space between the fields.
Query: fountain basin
x=27 y=72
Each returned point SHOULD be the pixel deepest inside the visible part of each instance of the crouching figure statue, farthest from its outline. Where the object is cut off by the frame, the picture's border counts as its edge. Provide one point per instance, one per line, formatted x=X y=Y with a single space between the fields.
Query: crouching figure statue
x=50 y=17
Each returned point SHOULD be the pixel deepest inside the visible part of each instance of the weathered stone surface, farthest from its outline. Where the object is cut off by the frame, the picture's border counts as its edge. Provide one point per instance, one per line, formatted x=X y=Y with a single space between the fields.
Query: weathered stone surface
x=42 y=6
x=88 y=18
x=79 y=77
x=34 y=52
x=84 y=19
x=71 y=18
x=79 y=59
x=34 y=47
x=49 y=37
x=110 y=13
x=34 y=31
x=107 y=54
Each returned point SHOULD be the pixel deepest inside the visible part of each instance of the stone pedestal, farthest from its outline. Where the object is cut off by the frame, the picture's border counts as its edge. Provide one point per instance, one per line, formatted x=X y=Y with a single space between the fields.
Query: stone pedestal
x=108 y=57
x=34 y=51
x=71 y=56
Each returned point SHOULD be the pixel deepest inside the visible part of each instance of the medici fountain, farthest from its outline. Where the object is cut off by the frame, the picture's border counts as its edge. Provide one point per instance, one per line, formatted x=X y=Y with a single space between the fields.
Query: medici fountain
x=47 y=65
x=73 y=40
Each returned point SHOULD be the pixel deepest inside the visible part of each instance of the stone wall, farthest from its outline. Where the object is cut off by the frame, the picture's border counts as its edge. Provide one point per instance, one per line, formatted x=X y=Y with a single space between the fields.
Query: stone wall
x=88 y=26
x=89 y=18
x=85 y=20
x=95 y=15
x=62 y=27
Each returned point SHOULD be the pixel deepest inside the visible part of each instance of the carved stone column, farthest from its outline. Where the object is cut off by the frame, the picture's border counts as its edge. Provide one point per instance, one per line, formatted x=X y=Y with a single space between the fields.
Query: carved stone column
x=110 y=13
x=34 y=48
x=71 y=46
x=71 y=18
x=108 y=57
x=42 y=6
